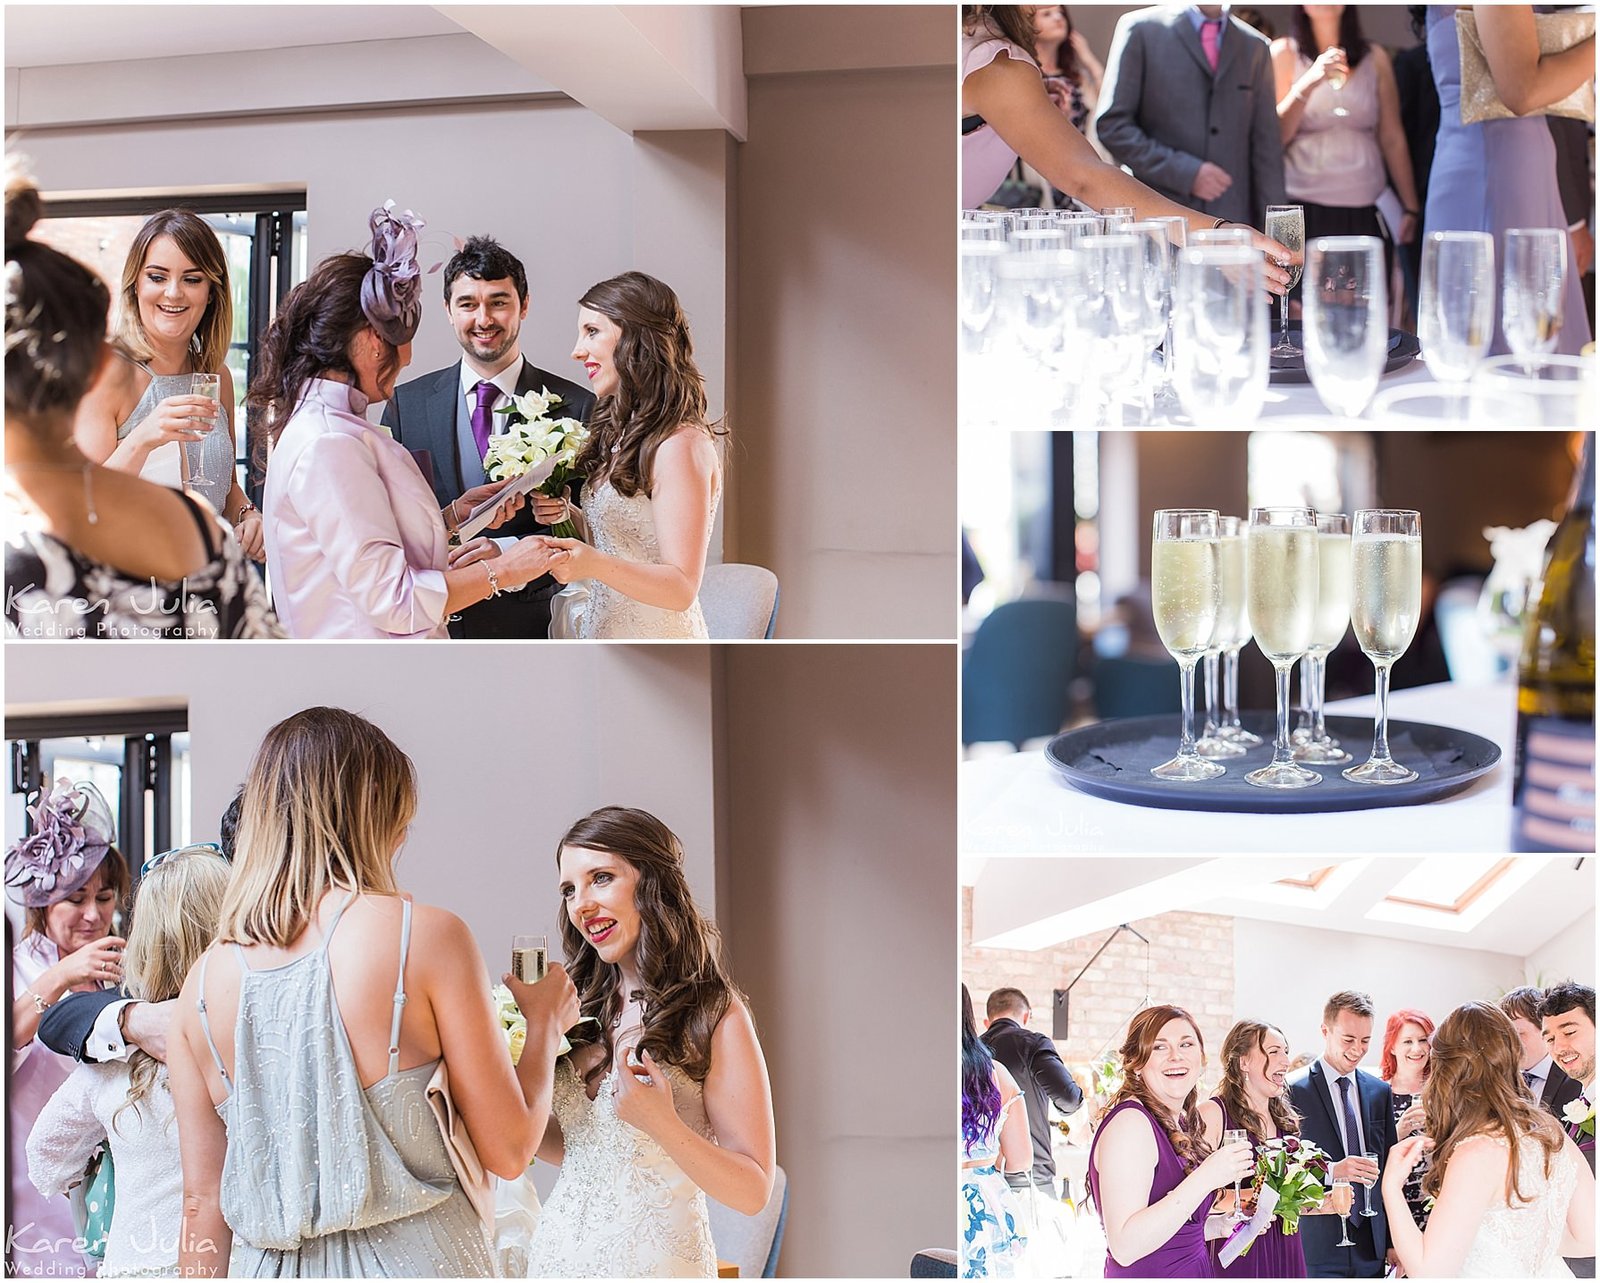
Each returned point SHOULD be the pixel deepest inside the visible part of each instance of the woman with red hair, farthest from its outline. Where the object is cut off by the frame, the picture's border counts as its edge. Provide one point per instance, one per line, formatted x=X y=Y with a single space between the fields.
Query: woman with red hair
x=1407 y=1058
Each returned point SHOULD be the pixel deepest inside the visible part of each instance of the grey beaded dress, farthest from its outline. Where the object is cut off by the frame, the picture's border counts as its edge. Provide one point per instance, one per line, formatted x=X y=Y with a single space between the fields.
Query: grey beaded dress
x=323 y=1178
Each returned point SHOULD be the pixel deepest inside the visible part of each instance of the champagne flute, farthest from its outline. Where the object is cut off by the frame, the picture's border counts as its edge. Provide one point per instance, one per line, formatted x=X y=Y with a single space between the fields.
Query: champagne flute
x=1385 y=605
x=1220 y=236
x=980 y=261
x=529 y=958
x=1219 y=334
x=1455 y=309
x=1185 y=599
x=1345 y=332
x=1113 y=307
x=210 y=386
x=1156 y=296
x=1336 y=84
x=1281 y=583
x=1233 y=630
x=1333 y=617
x=1286 y=224
x=1534 y=289
x=1237 y=1137
x=1342 y=1198
x=1366 y=1186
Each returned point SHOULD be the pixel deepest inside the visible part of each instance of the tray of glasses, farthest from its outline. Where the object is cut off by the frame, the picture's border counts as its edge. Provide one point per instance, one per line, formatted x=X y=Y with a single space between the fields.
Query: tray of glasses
x=1291 y=368
x=1113 y=760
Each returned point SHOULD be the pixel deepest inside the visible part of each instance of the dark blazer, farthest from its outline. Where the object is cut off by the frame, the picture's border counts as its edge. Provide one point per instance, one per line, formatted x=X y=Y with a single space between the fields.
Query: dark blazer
x=67 y=1023
x=1037 y=1066
x=1308 y=1092
x=1560 y=1090
x=1163 y=111
x=422 y=416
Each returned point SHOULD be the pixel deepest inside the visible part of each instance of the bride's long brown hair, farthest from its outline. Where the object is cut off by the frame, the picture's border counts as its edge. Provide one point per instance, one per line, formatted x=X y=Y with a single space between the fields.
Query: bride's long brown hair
x=687 y=989
x=1475 y=1089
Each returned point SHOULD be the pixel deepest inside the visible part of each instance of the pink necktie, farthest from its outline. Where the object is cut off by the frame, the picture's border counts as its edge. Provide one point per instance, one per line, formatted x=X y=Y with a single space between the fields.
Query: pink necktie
x=1211 y=39
x=481 y=432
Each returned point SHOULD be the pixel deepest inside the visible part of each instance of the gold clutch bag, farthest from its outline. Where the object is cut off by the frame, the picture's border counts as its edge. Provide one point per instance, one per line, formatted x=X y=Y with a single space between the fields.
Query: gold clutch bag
x=1557 y=32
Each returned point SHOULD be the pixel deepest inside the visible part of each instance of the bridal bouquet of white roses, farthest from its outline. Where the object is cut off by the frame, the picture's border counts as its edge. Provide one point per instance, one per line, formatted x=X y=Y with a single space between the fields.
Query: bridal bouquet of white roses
x=1291 y=1176
x=514 y=1025
x=531 y=437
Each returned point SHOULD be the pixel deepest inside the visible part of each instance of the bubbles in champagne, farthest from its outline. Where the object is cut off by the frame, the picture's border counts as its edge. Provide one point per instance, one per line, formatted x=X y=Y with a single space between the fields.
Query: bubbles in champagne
x=1386 y=593
x=1281 y=584
x=1185 y=593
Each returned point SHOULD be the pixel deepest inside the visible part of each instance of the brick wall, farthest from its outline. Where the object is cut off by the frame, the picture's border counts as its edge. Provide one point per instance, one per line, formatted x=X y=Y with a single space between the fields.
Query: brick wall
x=1190 y=965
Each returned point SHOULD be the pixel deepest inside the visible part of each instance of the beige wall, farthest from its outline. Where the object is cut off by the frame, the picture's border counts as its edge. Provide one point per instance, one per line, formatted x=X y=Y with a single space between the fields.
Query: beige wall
x=841 y=925
x=844 y=419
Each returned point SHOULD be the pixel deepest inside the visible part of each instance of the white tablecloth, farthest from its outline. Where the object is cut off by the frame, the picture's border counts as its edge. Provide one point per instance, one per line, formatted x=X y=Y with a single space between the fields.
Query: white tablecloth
x=1018 y=805
x=1299 y=401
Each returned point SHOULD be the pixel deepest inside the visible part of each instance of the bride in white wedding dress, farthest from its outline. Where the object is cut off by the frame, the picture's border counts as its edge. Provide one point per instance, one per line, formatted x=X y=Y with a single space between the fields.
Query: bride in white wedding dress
x=671 y=1104
x=1512 y=1193
x=652 y=477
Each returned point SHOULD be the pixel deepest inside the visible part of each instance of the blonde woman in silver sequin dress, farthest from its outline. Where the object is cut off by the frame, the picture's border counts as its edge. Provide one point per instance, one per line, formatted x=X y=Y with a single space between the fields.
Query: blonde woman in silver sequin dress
x=652 y=472
x=671 y=1104
x=307 y=1035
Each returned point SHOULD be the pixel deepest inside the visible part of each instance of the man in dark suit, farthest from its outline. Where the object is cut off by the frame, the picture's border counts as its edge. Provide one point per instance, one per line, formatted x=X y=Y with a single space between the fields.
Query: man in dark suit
x=1189 y=106
x=1566 y=1015
x=1348 y=1113
x=450 y=414
x=1044 y=1079
x=1551 y=1085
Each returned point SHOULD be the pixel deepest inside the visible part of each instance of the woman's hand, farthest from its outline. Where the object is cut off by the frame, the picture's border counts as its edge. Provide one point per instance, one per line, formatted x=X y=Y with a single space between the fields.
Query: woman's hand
x=551 y=510
x=482 y=548
x=461 y=509
x=579 y=562
x=1278 y=256
x=527 y=559
x=1331 y=63
x=1227 y=1164
x=1402 y=1161
x=644 y=1096
x=94 y=964
x=178 y=418
x=251 y=534
x=551 y=1003
x=1412 y=1121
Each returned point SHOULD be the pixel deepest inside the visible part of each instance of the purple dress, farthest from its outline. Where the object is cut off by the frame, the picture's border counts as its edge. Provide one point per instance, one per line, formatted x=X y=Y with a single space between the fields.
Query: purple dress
x=1275 y=1255
x=1184 y=1255
x=1492 y=176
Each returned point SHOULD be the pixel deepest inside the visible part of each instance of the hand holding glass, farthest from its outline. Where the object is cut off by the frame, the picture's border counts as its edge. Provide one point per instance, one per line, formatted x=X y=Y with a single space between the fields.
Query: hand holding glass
x=209 y=386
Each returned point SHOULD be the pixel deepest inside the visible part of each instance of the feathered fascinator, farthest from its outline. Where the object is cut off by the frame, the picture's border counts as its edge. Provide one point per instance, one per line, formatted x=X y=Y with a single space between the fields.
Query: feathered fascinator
x=72 y=831
x=391 y=294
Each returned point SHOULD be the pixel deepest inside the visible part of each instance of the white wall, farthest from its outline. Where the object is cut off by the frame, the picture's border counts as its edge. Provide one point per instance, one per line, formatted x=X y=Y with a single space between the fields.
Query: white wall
x=1568 y=956
x=1285 y=973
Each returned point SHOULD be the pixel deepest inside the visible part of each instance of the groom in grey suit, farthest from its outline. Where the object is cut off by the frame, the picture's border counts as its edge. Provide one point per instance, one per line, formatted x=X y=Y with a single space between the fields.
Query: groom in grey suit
x=1189 y=106
x=447 y=416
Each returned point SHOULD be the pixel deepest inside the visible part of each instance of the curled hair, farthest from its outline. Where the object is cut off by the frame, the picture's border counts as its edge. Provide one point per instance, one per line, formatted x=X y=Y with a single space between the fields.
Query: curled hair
x=1389 y=1063
x=685 y=982
x=1013 y=22
x=310 y=337
x=114 y=873
x=55 y=313
x=980 y=1095
x=1475 y=1089
x=1187 y=1131
x=326 y=804
x=659 y=387
x=1244 y=1038
x=174 y=922
x=199 y=244
x=1354 y=44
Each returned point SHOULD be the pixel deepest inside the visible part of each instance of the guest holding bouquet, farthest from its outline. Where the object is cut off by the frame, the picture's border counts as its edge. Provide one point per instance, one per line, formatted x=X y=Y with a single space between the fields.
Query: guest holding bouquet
x=995 y=1142
x=1407 y=1057
x=356 y=543
x=310 y=1035
x=174 y=320
x=1250 y=1098
x=1152 y=1174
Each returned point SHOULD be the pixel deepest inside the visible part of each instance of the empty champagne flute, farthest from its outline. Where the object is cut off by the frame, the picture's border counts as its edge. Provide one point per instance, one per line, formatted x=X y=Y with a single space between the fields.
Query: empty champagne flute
x=1286 y=224
x=1177 y=228
x=1237 y=1137
x=1342 y=1199
x=1219 y=335
x=1112 y=310
x=1534 y=289
x=1185 y=599
x=1220 y=236
x=1385 y=606
x=1281 y=583
x=1038 y=240
x=1345 y=331
x=980 y=261
x=1333 y=617
x=1366 y=1186
x=1233 y=630
x=1156 y=295
x=210 y=386
x=1455 y=309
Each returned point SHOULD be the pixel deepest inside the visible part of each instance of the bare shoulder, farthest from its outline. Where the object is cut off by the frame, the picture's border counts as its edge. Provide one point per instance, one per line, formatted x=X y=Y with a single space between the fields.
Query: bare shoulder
x=1211 y=1115
x=737 y=1028
x=691 y=447
x=1380 y=57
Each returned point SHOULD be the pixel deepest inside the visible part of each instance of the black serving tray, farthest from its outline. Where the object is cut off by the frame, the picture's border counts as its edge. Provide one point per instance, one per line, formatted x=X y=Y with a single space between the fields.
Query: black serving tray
x=1403 y=349
x=1113 y=760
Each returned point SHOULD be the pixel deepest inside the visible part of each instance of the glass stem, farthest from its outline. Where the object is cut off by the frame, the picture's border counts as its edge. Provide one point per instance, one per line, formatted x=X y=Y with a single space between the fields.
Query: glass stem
x=1380 y=724
x=1213 y=694
x=1303 y=721
x=1281 y=754
x=1186 y=677
x=1283 y=320
x=1319 y=677
x=1230 y=689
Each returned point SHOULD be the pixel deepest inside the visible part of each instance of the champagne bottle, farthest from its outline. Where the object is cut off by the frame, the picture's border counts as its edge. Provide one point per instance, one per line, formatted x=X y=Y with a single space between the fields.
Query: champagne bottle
x=1553 y=796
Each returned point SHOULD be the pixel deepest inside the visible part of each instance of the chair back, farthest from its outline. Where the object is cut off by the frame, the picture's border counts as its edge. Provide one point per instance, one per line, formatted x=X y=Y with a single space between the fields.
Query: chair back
x=752 y=1242
x=934 y=1263
x=739 y=601
x=1017 y=673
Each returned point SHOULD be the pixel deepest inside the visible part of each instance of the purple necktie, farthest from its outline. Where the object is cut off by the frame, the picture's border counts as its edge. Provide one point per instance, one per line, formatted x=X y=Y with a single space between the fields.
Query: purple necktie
x=481 y=433
x=1211 y=40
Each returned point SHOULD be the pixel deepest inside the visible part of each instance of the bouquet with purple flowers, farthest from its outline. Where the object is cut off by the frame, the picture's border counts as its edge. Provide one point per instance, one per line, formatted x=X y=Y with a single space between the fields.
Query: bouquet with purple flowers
x=1291 y=1180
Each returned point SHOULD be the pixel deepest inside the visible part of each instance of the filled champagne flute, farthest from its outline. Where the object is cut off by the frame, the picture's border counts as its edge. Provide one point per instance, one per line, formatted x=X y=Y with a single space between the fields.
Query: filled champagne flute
x=1336 y=84
x=1333 y=617
x=1185 y=599
x=1286 y=224
x=1237 y=1137
x=1366 y=1186
x=1455 y=309
x=1385 y=608
x=1342 y=1199
x=1345 y=331
x=209 y=386
x=530 y=956
x=1233 y=630
x=1534 y=289
x=1281 y=584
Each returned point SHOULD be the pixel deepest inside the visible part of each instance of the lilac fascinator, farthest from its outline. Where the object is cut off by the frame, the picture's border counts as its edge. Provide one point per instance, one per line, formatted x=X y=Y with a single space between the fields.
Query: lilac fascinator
x=391 y=294
x=72 y=831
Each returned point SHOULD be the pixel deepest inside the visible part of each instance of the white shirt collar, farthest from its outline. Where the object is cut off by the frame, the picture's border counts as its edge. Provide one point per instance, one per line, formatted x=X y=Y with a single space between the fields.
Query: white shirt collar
x=1333 y=1073
x=1541 y=1071
x=506 y=380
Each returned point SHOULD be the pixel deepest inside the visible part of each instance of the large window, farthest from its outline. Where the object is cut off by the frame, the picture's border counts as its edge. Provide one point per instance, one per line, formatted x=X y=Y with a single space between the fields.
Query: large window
x=264 y=238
